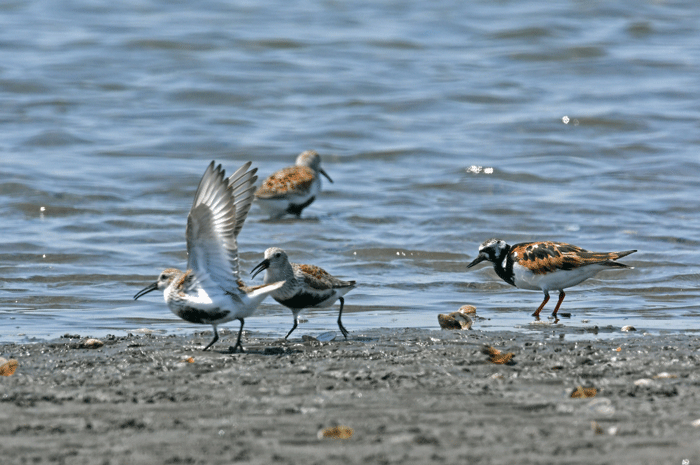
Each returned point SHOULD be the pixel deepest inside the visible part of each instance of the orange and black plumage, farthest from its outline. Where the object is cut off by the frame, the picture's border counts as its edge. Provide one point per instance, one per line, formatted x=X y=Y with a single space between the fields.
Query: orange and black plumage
x=545 y=265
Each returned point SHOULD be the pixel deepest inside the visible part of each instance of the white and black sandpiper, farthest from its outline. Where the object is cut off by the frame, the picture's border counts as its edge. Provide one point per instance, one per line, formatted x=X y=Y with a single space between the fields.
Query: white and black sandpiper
x=545 y=265
x=211 y=291
x=290 y=190
x=305 y=286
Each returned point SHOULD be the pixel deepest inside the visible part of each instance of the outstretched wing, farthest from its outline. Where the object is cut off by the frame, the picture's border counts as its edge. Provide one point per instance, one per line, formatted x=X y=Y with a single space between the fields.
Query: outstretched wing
x=211 y=229
x=242 y=184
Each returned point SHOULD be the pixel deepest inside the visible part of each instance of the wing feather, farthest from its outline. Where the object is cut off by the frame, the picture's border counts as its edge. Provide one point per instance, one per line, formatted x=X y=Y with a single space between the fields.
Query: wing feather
x=318 y=278
x=242 y=184
x=293 y=180
x=212 y=227
x=546 y=256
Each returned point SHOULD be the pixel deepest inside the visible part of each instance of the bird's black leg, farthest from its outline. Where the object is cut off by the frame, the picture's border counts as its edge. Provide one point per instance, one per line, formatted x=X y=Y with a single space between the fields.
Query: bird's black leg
x=238 y=341
x=296 y=209
x=216 y=338
x=340 y=323
x=293 y=327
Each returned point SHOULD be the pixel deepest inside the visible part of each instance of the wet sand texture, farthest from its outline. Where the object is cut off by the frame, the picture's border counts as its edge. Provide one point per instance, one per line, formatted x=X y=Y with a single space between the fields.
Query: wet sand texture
x=396 y=396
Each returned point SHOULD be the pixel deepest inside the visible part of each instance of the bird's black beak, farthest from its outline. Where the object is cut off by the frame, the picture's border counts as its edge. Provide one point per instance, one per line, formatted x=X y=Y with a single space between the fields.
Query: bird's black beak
x=263 y=265
x=323 y=172
x=146 y=290
x=477 y=260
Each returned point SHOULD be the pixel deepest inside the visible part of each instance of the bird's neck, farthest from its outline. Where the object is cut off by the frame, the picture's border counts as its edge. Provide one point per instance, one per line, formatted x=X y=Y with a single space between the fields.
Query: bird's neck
x=503 y=266
x=286 y=274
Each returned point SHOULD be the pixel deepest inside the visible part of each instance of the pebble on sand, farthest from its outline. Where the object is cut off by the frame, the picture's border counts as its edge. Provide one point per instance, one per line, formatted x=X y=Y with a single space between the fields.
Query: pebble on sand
x=628 y=328
x=8 y=367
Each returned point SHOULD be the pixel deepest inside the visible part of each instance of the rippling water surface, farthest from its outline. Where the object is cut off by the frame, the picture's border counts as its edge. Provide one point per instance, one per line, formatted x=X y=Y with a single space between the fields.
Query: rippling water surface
x=442 y=124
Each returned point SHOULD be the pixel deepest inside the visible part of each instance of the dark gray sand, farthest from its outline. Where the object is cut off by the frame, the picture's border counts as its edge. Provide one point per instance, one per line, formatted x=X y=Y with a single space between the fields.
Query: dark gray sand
x=410 y=396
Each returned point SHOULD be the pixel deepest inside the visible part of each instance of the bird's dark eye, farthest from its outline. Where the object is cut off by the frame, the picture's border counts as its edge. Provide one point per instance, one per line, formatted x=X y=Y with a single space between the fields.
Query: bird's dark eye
x=278 y=255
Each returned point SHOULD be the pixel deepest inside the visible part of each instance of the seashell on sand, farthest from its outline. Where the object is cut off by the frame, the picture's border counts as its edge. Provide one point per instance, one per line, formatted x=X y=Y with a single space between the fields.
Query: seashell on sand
x=459 y=319
x=8 y=367
x=91 y=344
x=336 y=432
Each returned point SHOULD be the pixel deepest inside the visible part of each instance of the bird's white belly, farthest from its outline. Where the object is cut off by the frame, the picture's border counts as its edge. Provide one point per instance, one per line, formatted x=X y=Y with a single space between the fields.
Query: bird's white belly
x=273 y=206
x=222 y=307
x=552 y=281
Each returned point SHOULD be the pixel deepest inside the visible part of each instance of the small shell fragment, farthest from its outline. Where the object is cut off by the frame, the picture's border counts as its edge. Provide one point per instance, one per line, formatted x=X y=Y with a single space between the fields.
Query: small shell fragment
x=601 y=406
x=643 y=382
x=696 y=423
x=502 y=359
x=447 y=322
x=664 y=375
x=336 y=432
x=467 y=309
x=459 y=319
x=187 y=360
x=583 y=393
x=92 y=344
x=8 y=367
x=327 y=337
x=628 y=328
x=496 y=356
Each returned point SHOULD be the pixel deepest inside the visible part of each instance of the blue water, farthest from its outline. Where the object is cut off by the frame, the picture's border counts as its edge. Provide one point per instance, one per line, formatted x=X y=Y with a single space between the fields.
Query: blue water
x=442 y=124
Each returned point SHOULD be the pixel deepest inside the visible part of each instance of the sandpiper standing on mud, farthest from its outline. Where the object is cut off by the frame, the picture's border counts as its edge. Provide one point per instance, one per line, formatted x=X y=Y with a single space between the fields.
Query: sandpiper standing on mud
x=304 y=285
x=546 y=266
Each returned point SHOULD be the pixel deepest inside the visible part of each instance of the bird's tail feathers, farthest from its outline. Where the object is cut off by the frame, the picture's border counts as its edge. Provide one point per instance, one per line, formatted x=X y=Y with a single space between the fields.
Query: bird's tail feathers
x=616 y=255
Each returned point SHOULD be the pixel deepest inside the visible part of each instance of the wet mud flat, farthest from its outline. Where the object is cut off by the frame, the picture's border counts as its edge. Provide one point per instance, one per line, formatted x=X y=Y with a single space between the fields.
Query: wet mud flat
x=397 y=396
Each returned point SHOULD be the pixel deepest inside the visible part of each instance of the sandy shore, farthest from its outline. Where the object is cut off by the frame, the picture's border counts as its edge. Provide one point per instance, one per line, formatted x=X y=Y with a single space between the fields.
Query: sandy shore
x=407 y=396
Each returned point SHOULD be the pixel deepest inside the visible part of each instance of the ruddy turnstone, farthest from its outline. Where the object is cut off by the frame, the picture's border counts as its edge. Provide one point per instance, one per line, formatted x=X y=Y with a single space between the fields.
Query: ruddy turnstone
x=545 y=265
x=304 y=285
x=211 y=291
x=292 y=189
